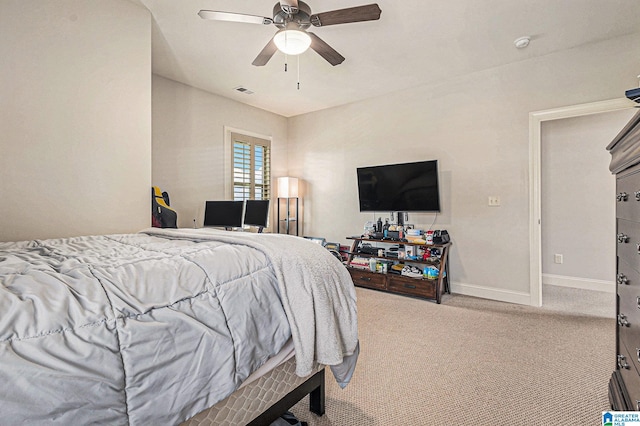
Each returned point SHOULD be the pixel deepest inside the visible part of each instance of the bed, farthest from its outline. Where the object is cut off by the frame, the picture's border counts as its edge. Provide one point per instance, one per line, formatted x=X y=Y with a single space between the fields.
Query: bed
x=169 y=326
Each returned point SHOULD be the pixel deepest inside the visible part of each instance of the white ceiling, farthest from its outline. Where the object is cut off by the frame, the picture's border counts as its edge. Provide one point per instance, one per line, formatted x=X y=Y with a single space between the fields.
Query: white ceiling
x=415 y=42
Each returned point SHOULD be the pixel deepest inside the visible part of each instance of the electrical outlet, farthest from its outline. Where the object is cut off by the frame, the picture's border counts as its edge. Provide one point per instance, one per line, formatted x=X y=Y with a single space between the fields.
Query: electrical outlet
x=557 y=258
x=494 y=201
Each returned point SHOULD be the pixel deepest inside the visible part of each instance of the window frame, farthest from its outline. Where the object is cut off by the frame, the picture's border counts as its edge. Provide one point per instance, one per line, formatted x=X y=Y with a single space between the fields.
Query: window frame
x=231 y=136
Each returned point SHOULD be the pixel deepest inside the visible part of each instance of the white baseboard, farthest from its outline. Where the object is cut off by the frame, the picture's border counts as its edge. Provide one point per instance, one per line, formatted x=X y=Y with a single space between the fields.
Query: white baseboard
x=523 y=298
x=499 y=294
x=581 y=283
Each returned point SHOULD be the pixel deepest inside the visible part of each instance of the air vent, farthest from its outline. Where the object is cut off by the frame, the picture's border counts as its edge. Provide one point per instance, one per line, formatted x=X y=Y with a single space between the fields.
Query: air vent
x=243 y=90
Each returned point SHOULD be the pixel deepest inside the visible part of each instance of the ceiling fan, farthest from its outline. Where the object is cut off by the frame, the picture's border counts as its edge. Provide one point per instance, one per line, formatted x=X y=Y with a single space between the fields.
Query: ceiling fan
x=293 y=17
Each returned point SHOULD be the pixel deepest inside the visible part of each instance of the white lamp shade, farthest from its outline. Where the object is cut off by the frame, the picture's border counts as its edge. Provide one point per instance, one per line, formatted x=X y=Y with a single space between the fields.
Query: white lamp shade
x=287 y=187
x=292 y=42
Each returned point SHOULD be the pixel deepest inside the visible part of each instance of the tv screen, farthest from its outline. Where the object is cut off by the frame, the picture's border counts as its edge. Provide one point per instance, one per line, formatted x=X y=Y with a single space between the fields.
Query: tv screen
x=256 y=213
x=406 y=187
x=226 y=214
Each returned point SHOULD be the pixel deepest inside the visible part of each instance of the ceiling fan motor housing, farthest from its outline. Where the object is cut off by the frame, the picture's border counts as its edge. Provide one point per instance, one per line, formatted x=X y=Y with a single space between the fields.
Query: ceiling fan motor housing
x=301 y=18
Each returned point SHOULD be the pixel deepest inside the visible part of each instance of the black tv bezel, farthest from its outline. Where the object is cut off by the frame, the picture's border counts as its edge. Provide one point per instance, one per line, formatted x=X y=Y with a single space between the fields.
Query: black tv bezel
x=209 y=203
x=360 y=170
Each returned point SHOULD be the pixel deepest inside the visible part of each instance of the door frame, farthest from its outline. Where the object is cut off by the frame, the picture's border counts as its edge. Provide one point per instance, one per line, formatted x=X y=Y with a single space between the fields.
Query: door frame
x=536 y=119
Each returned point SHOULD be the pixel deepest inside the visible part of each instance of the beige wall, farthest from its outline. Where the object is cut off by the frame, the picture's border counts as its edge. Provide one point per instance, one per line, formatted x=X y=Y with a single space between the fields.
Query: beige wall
x=477 y=127
x=75 y=133
x=189 y=150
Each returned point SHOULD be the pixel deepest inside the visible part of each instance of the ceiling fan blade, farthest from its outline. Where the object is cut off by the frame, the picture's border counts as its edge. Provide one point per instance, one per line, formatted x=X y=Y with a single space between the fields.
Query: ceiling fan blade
x=234 y=17
x=267 y=52
x=370 y=12
x=289 y=6
x=324 y=50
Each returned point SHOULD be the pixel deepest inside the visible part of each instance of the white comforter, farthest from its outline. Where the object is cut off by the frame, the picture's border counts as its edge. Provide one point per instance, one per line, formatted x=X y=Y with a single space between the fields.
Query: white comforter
x=152 y=328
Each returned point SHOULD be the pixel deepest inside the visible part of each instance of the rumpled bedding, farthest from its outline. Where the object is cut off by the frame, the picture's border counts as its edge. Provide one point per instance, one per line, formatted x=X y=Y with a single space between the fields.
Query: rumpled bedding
x=152 y=328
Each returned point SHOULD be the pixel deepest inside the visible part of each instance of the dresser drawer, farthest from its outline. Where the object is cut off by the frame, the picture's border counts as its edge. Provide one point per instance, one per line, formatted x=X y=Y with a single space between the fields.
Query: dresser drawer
x=630 y=376
x=628 y=241
x=368 y=279
x=413 y=286
x=628 y=314
x=627 y=277
x=628 y=197
x=628 y=288
x=628 y=336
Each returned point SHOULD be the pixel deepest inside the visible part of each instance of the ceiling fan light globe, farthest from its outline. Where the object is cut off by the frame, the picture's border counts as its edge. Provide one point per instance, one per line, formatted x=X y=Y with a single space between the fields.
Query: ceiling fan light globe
x=292 y=42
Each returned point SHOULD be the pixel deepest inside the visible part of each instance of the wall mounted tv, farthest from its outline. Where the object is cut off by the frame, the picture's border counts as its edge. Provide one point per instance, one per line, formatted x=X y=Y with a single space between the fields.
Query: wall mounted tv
x=406 y=187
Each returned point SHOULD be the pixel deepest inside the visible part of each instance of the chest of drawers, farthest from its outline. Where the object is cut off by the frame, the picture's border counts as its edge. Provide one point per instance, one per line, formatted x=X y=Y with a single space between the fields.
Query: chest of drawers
x=624 y=385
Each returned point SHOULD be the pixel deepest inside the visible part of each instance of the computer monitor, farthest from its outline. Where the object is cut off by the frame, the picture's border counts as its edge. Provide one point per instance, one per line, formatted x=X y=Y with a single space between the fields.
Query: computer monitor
x=256 y=213
x=227 y=214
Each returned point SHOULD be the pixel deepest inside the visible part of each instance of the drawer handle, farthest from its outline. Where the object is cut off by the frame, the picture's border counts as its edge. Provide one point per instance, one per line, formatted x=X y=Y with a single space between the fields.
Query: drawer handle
x=638 y=302
x=410 y=286
x=622 y=279
x=365 y=278
x=623 y=196
x=623 y=321
x=638 y=353
x=622 y=238
x=637 y=194
x=622 y=362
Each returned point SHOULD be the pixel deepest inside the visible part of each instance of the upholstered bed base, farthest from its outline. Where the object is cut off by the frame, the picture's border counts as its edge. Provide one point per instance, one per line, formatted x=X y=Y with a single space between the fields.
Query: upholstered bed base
x=264 y=400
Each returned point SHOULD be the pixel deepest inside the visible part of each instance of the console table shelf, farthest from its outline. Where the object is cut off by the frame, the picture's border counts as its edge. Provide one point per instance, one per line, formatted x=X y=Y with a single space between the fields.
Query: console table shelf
x=396 y=283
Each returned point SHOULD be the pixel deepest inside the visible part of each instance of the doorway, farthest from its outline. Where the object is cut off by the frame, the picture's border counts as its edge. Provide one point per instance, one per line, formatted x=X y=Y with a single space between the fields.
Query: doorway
x=535 y=214
x=578 y=213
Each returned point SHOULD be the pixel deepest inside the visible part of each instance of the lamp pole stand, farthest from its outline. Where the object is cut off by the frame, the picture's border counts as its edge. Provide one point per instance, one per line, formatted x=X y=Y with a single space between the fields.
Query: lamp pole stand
x=288 y=219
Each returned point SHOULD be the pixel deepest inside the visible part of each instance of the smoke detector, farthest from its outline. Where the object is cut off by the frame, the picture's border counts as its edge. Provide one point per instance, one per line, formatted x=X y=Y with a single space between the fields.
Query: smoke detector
x=522 y=42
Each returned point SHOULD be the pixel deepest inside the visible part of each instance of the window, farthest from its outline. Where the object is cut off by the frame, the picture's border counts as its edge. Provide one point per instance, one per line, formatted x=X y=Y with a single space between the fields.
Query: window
x=251 y=168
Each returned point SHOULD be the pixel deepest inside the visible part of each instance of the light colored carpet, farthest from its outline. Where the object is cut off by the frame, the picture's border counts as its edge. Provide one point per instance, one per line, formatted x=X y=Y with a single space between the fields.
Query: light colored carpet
x=471 y=361
x=582 y=302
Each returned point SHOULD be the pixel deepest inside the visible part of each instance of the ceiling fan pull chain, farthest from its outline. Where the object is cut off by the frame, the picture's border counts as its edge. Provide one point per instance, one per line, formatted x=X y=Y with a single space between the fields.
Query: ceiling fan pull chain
x=298 y=72
x=286 y=57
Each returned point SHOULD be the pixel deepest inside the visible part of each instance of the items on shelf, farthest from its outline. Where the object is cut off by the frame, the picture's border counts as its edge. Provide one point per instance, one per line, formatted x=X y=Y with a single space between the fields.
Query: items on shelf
x=411 y=267
x=411 y=271
x=359 y=262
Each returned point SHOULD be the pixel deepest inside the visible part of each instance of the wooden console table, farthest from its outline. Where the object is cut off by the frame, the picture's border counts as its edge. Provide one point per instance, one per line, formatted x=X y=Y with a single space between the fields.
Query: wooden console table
x=400 y=284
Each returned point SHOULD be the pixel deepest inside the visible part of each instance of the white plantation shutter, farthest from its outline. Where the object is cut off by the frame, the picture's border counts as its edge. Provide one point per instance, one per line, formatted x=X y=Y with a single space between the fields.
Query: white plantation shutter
x=251 y=168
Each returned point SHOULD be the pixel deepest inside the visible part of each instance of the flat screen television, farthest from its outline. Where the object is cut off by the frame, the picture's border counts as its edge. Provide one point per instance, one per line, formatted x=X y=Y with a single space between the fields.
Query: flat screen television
x=227 y=214
x=256 y=213
x=406 y=187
